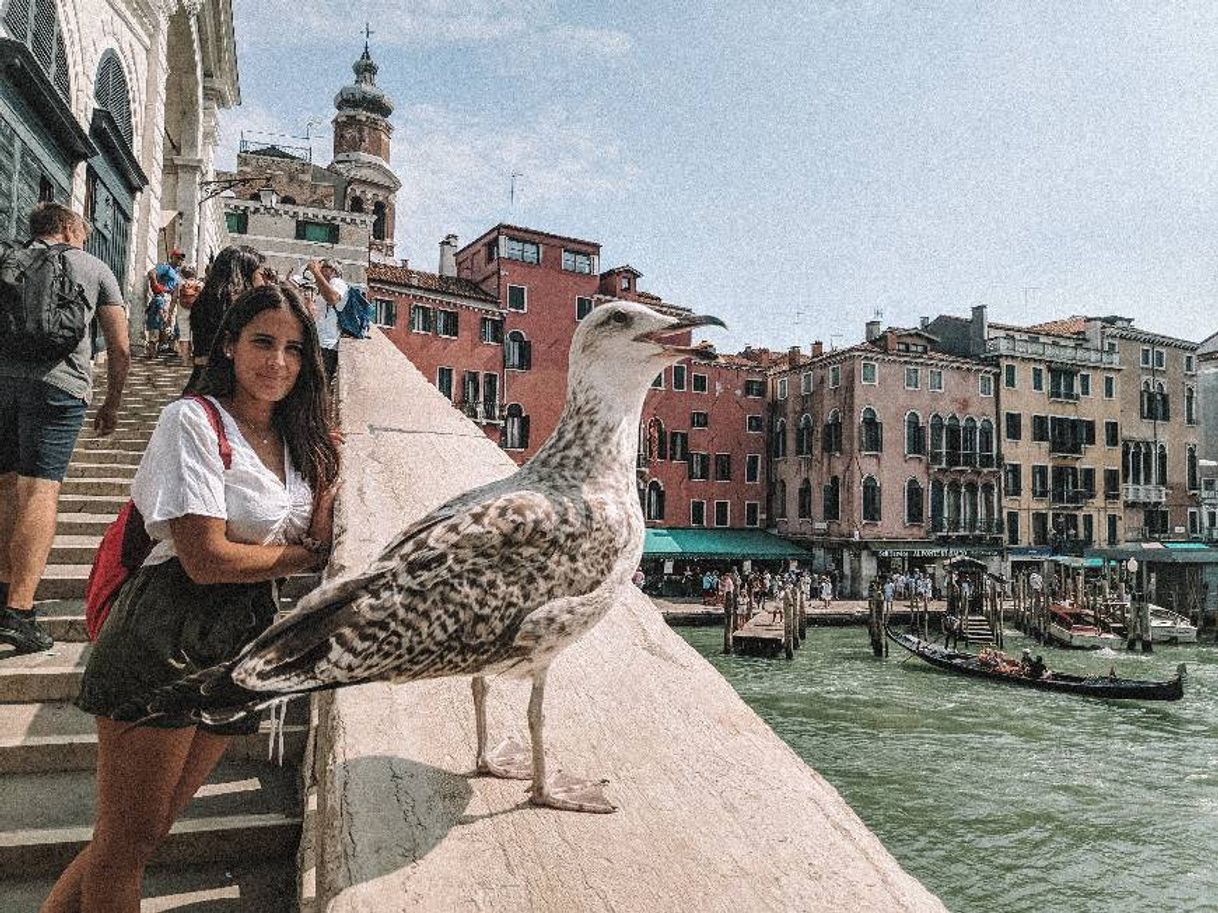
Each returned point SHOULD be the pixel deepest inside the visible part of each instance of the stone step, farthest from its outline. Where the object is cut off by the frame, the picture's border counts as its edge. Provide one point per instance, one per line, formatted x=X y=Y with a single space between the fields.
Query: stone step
x=234 y=887
x=247 y=811
x=87 y=469
x=48 y=737
x=107 y=487
x=63 y=581
x=86 y=446
x=102 y=457
x=50 y=676
x=74 y=549
x=130 y=433
x=94 y=505
x=78 y=524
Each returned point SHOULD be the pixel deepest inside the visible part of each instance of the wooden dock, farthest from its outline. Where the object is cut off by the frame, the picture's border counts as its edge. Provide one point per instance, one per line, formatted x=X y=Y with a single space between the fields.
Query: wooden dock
x=761 y=635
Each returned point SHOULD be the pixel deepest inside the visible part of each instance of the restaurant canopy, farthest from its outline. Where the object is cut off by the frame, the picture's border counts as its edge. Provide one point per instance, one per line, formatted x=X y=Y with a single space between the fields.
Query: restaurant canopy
x=721 y=544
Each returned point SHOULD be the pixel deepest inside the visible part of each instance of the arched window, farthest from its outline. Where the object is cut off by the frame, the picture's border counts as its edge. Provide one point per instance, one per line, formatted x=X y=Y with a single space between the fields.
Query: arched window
x=871 y=432
x=915 y=439
x=803 y=437
x=953 y=507
x=1162 y=479
x=379 y=218
x=357 y=204
x=780 y=500
x=831 y=434
x=985 y=444
x=1194 y=481
x=35 y=23
x=871 y=500
x=656 y=447
x=1190 y=405
x=779 y=444
x=832 y=498
x=913 y=501
x=969 y=519
x=110 y=92
x=517 y=352
x=1162 y=412
x=936 y=439
x=515 y=428
x=1147 y=460
x=654 y=508
x=953 y=441
x=288 y=200
x=936 y=507
x=805 y=500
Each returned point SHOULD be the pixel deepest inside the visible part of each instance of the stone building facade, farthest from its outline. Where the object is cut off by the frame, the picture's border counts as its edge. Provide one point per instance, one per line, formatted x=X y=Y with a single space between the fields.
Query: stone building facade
x=111 y=108
x=883 y=455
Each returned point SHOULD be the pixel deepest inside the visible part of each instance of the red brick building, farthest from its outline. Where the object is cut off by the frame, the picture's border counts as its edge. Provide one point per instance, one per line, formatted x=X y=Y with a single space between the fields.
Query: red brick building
x=452 y=331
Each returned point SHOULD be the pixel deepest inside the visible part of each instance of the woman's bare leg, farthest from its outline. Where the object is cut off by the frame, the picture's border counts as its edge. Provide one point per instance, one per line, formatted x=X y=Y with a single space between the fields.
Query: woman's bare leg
x=138 y=772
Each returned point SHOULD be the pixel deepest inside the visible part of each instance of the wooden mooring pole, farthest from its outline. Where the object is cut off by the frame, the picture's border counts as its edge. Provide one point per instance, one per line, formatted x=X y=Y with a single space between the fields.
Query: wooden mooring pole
x=788 y=625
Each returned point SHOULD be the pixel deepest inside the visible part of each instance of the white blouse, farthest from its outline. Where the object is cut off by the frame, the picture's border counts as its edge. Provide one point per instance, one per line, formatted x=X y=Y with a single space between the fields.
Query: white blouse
x=182 y=473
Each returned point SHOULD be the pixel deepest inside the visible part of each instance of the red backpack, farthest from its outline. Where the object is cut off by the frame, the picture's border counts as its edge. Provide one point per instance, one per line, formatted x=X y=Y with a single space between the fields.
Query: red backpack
x=126 y=544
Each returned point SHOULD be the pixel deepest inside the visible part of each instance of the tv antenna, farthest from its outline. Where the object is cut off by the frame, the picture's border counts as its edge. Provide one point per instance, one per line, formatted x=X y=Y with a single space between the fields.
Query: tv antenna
x=512 y=188
x=1027 y=294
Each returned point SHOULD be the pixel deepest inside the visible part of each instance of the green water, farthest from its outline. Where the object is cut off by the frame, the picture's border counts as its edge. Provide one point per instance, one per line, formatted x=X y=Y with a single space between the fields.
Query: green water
x=1000 y=799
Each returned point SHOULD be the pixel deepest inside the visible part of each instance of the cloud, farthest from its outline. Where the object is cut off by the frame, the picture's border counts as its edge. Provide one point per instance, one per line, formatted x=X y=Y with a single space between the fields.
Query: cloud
x=530 y=25
x=457 y=167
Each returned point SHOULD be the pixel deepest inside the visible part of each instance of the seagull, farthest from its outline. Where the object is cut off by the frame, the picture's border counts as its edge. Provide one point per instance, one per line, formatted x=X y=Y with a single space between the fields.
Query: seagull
x=498 y=580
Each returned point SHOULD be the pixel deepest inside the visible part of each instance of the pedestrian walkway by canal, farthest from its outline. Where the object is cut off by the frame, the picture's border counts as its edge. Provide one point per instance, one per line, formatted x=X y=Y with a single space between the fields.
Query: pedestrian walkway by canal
x=1005 y=800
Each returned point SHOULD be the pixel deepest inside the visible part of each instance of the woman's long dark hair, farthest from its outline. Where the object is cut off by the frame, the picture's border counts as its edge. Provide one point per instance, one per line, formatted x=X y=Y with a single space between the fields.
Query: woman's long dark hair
x=303 y=416
x=229 y=276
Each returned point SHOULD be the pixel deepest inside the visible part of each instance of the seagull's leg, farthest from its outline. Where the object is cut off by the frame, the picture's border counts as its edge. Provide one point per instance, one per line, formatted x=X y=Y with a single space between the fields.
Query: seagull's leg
x=559 y=791
x=509 y=759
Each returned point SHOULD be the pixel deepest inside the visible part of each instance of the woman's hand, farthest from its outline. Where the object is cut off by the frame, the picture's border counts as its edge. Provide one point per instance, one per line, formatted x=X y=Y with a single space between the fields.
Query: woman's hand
x=322 y=526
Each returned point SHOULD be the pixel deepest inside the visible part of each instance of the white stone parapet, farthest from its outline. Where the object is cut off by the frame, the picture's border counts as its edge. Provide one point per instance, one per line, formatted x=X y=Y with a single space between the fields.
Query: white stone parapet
x=716 y=812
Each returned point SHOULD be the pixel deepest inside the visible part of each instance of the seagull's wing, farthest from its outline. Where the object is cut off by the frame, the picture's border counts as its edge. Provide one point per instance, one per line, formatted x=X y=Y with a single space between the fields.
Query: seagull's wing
x=446 y=597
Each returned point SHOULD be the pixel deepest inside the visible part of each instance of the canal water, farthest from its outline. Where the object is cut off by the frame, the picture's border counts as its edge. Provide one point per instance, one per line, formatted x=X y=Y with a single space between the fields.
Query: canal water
x=1001 y=799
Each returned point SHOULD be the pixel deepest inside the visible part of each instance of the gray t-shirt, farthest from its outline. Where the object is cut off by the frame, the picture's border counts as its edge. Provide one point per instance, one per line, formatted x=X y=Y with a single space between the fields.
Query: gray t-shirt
x=74 y=375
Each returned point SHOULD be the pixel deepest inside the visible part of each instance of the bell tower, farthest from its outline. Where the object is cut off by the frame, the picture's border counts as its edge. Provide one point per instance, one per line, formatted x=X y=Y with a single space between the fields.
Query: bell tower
x=362 y=142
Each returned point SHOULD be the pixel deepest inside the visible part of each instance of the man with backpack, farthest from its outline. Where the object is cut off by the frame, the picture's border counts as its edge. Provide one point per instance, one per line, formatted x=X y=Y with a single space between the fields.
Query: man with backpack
x=330 y=299
x=50 y=290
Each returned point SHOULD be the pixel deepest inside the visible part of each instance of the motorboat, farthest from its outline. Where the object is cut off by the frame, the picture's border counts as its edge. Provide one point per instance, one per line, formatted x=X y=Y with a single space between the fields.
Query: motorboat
x=1070 y=626
x=1168 y=627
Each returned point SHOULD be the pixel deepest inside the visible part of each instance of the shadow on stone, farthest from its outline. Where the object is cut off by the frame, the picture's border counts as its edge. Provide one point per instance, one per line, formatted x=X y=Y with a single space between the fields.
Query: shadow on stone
x=405 y=808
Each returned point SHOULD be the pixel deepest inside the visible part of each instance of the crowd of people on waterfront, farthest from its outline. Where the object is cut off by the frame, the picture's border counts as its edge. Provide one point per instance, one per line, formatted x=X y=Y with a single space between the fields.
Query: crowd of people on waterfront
x=235 y=489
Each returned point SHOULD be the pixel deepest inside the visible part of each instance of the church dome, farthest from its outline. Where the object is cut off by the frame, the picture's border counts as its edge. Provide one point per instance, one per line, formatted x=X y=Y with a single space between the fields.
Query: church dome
x=364 y=94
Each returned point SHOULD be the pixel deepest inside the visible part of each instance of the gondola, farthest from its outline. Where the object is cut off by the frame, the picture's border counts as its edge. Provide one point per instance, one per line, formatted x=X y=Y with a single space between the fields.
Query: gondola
x=1091 y=685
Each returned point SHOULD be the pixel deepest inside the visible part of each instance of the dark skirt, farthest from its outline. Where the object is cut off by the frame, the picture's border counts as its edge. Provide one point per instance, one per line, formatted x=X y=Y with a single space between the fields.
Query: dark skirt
x=164 y=626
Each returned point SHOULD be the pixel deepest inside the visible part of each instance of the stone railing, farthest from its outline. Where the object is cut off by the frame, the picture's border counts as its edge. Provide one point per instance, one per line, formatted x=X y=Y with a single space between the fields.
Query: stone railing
x=716 y=812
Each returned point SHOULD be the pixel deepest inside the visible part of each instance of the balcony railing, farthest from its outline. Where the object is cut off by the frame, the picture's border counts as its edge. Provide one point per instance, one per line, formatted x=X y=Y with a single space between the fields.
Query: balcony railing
x=1069 y=396
x=481 y=411
x=941 y=526
x=1144 y=494
x=1067 y=497
x=1051 y=351
x=962 y=459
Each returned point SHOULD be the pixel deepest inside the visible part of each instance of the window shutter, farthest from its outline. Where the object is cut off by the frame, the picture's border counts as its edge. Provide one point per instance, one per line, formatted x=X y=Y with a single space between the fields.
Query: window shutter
x=524 y=431
x=526 y=355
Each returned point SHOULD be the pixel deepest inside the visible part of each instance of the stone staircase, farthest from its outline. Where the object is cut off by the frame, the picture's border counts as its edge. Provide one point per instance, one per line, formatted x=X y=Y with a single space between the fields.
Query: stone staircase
x=976 y=629
x=234 y=850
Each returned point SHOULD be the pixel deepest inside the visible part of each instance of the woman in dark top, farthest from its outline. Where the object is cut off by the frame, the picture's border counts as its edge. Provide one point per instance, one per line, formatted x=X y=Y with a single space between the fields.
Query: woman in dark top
x=235 y=271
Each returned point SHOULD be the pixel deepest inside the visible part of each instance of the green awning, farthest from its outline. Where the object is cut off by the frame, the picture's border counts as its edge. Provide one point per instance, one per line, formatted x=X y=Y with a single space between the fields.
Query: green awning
x=1158 y=553
x=725 y=544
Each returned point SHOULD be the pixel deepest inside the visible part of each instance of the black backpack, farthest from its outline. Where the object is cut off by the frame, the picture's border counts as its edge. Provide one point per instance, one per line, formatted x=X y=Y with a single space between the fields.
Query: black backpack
x=44 y=313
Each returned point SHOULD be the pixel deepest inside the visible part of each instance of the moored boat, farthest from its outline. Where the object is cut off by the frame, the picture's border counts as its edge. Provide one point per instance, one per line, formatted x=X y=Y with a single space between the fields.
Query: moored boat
x=1006 y=669
x=1168 y=627
x=1077 y=629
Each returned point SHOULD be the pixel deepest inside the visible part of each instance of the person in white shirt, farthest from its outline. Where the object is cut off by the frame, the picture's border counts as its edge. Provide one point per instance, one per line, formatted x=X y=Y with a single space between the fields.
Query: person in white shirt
x=221 y=537
x=331 y=298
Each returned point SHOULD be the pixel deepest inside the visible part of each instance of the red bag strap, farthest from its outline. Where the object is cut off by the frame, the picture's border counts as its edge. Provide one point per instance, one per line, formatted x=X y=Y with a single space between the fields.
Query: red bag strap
x=217 y=425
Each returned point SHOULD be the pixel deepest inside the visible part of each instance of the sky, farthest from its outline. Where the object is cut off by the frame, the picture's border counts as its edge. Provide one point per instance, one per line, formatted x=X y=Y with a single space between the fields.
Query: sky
x=794 y=168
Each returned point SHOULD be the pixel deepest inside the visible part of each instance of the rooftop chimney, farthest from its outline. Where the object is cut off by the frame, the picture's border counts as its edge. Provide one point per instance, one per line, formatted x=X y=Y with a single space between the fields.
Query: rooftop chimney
x=979 y=330
x=923 y=322
x=448 y=256
x=818 y=349
x=794 y=356
x=873 y=329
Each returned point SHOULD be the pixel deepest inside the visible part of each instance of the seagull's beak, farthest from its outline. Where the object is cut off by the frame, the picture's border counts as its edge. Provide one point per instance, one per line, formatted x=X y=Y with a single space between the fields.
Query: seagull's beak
x=703 y=350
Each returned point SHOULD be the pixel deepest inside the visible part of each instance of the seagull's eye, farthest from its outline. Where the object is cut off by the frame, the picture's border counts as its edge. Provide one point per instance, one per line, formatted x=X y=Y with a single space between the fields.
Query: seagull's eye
x=621 y=317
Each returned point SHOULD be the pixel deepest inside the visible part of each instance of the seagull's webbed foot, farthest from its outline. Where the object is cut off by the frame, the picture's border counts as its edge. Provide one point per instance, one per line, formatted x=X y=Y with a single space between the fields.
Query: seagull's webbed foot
x=573 y=795
x=510 y=760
